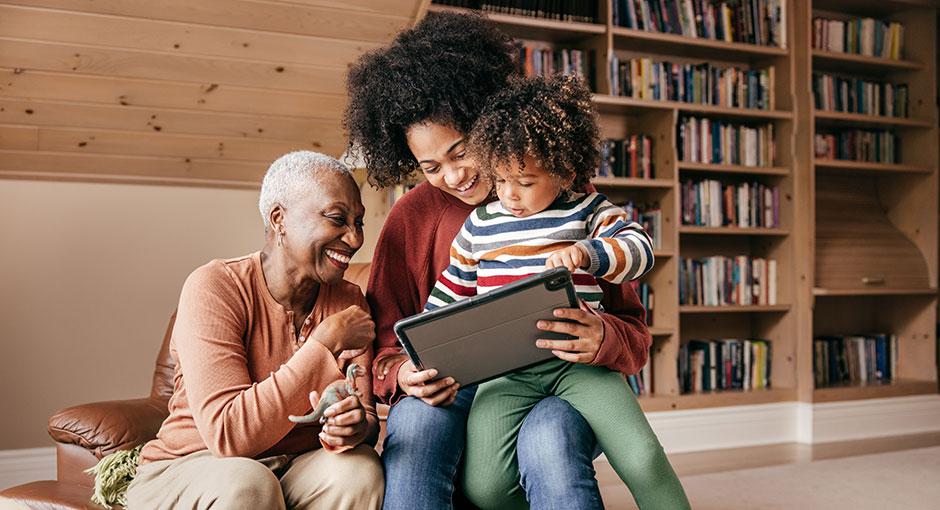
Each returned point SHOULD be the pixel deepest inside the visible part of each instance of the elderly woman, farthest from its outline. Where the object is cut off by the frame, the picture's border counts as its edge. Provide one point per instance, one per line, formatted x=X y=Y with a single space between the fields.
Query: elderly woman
x=256 y=339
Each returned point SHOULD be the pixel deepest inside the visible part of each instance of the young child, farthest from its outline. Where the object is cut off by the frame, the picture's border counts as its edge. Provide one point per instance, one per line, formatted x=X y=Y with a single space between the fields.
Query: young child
x=538 y=141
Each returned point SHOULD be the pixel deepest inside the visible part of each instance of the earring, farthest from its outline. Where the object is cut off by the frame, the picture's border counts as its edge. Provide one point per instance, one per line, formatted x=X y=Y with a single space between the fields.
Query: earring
x=280 y=237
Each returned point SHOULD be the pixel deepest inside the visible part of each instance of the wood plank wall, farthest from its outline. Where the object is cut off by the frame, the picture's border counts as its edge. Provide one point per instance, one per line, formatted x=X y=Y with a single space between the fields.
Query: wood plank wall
x=203 y=92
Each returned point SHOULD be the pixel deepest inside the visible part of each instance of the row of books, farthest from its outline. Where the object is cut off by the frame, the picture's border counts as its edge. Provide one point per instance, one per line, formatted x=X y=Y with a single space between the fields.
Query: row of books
x=862 y=36
x=867 y=145
x=856 y=95
x=712 y=203
x=721 y=281
x=644 y=78
x=650 y=216
x=630 y=157
x=541 y=60
x=854 y=359
x=748 y=21
x=710 y=365
x=703 y=140
x=642 y=382
x=561 y=10
x=645 y=292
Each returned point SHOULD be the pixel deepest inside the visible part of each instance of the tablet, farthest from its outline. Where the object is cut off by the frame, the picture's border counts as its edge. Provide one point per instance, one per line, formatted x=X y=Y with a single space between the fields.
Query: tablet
x=486 y=336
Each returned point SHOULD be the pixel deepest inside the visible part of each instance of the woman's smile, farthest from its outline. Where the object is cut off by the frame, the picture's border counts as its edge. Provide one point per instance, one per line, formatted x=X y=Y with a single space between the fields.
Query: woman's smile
x=470 y=187
x=338 y=258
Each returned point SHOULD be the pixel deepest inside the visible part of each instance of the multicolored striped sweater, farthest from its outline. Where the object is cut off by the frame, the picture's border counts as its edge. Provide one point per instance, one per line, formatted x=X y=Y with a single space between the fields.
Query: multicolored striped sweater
x=495 y=248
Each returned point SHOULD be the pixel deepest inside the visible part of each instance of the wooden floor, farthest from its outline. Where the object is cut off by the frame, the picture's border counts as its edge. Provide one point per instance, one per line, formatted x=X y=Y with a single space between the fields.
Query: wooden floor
x=689 y=464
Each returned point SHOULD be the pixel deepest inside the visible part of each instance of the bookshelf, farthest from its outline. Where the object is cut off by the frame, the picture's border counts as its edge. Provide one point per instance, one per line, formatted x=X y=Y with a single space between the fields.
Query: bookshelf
x=810 y=190
x=871 y=252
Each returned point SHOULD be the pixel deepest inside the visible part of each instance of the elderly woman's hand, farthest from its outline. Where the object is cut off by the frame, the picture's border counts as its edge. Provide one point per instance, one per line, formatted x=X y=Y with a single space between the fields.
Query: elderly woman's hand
x=348 y=424
x=585 y=325
x=351 y=329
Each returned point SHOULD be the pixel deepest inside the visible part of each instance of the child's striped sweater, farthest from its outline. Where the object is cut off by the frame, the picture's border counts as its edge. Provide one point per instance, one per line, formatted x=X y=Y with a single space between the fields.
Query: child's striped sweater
x=495 y=248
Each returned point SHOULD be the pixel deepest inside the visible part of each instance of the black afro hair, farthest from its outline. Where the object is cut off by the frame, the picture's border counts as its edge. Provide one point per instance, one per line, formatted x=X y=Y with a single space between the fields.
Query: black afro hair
x=443 y=70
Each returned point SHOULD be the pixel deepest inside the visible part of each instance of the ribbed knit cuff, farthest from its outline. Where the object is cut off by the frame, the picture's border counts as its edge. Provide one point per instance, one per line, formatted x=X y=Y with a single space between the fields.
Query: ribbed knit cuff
x=588 y=245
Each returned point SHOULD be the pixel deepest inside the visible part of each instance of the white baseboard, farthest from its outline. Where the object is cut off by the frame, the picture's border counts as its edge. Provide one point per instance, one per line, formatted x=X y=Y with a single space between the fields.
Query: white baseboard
x=725 y=427
x=26 y=465
x=877 y=417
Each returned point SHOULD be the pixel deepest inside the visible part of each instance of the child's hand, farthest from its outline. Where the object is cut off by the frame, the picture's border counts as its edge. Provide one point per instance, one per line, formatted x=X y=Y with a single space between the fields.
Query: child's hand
x=572 y=257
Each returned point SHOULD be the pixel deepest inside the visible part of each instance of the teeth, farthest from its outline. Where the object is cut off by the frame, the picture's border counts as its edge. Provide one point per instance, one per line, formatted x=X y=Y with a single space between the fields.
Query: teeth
x=468 y=185
x=337 y=256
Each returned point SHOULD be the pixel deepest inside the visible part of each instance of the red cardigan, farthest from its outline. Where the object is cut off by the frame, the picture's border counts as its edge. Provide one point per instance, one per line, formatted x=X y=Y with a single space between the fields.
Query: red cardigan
x=412 y=251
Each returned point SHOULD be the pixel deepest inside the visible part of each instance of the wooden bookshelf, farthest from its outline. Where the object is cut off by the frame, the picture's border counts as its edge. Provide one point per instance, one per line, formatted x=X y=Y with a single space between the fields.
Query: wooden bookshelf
x=864 y=166
x=810 y=303
x=732 y=169
x=869 y=220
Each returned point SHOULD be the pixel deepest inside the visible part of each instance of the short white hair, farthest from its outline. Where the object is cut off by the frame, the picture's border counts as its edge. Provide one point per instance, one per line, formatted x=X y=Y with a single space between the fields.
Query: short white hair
x=293 y=174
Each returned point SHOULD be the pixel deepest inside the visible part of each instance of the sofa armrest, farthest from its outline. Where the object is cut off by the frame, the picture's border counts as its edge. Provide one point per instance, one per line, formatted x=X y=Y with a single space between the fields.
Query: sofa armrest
x=106 y=427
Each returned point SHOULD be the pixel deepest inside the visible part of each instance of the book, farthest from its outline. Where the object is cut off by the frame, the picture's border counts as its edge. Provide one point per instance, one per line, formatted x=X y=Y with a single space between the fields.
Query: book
x=705 y=140
x=863 y=36
x=542 y=59
x=854 y=359
x=585 y=12
x=857 y=95
x=724 y=364
x=713 y=203
x=630 y=157
x=865 y=145
x=721 y=281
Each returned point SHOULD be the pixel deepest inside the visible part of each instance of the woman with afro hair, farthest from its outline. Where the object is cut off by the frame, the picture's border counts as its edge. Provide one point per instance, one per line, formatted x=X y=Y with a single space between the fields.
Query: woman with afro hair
x=412 y=105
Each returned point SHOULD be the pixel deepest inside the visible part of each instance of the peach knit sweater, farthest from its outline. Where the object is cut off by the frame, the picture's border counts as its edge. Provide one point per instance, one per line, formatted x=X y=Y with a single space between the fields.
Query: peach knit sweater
x=242 y=369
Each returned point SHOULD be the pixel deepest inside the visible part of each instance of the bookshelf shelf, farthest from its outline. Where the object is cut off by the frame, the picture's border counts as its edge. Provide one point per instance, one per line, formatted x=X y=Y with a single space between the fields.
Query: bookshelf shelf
x=662 y=331
x=690 y=229
x=653 y=403
x=733 y=398
x=673 y=43
x=617 y=104
x=864 y=166
x=632 y=182
x=817 y=291
x=898 y=388
x=525 y=27
x=732 y=169
x=734 y=308
x=663 y=254
x=856 y=119
x=850 y=62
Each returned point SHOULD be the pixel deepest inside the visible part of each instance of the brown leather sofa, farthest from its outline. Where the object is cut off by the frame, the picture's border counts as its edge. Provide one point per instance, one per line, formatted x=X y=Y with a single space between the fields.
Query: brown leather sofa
x=84 y=434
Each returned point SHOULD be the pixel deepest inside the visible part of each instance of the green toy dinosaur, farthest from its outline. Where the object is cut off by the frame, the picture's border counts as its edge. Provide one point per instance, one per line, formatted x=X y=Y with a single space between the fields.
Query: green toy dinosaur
x=334 y=392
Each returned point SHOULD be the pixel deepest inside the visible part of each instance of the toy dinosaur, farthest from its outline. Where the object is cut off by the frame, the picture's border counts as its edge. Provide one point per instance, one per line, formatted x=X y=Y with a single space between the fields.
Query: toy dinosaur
x=334 y=392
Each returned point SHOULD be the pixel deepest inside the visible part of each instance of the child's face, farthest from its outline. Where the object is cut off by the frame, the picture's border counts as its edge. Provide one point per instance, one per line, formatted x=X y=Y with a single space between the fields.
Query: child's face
x=526 y=191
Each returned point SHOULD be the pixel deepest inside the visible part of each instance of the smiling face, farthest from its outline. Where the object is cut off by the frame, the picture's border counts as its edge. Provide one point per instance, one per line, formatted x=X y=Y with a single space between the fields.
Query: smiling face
x=323 y=228
x=441 y=153
x=526 y=190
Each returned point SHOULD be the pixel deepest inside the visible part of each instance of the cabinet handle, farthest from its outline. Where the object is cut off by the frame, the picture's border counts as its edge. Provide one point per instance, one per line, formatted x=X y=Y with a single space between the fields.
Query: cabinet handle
x=873 y=280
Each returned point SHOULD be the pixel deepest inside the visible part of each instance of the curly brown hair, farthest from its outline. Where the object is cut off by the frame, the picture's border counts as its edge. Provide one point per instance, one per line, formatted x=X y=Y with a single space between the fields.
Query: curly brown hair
x=550 y=119
x=443 y=70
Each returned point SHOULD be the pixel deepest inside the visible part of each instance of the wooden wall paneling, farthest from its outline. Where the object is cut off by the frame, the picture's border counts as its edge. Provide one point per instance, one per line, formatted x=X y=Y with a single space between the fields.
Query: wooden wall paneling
x=208 y=96
x=312 y=131
x=101 y=141
x=324 y=19
x=176 y=37
x=74 y=58
x=102 y=167
x=19 y=137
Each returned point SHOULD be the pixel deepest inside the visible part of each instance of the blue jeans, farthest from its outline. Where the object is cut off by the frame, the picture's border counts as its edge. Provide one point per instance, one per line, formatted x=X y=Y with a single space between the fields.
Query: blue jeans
x=423 y=446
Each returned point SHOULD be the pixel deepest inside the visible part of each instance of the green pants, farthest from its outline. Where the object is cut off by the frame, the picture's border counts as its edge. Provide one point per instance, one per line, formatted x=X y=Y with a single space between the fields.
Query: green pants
x=606 y=402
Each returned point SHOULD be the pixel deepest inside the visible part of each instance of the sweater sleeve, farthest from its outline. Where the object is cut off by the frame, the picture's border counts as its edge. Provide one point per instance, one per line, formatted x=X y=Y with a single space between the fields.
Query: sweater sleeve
x=459 y=280
x=619 y=249
x=627 y=339
x=234 y=415
x=392 y=296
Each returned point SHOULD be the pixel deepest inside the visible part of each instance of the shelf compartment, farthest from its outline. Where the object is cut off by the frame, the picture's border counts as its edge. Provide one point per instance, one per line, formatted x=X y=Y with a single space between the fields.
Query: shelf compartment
x=882 y=291
x=732 y=169
x=632 y=182
x=897 y=388
x=734 y=309
x=857 y=245
x=851 y=62
x=691 y=229
x=618 y=104
x=824 y=117
x=864 y=166
x=541 y=29
x=657 y=42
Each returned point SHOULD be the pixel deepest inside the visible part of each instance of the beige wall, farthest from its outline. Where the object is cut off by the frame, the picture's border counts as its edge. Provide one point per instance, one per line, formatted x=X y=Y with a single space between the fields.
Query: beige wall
x=89 y=274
